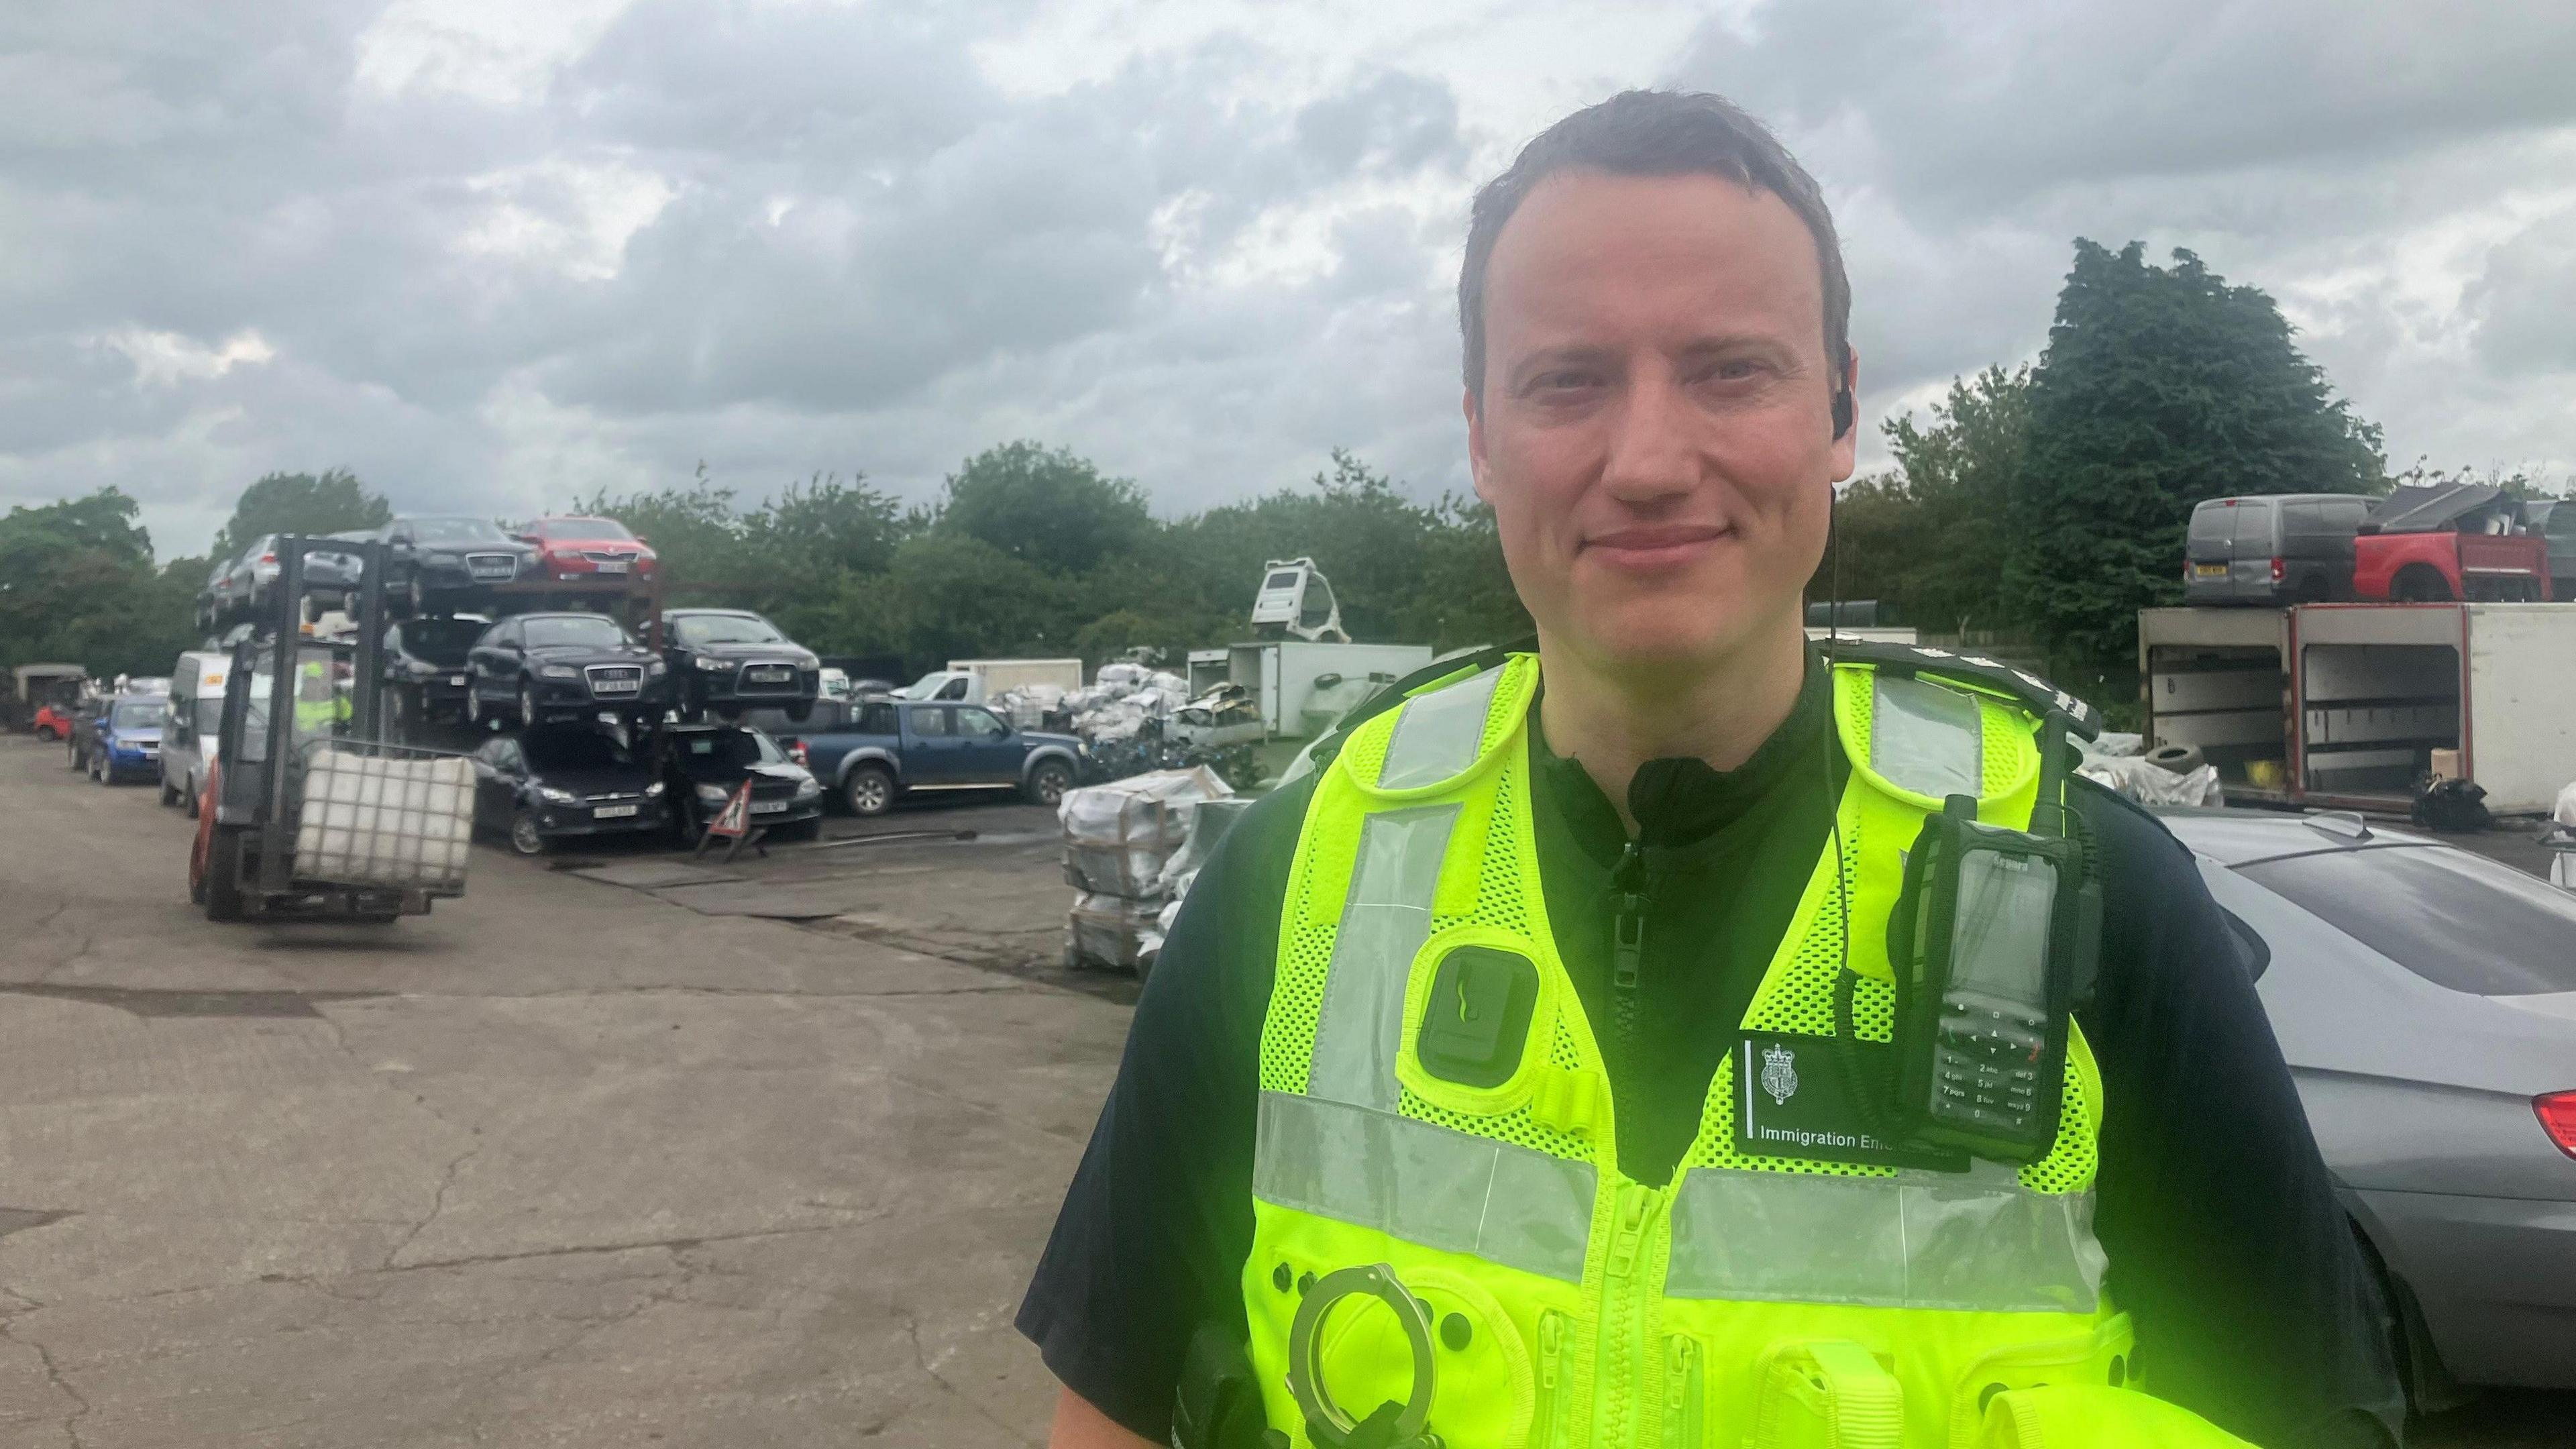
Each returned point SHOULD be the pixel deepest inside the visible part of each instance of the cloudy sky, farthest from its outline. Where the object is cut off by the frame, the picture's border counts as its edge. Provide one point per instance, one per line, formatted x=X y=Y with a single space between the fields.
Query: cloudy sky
x=493 y=253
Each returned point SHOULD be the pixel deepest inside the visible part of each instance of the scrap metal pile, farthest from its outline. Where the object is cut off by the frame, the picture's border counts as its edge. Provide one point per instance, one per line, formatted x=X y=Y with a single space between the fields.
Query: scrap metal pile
x=1133 y=719
x=1131 y=849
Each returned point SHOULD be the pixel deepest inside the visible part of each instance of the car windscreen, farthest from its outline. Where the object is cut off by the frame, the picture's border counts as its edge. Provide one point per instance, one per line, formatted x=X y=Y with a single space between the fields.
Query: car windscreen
x=593 y=633
x=565 y=751
x=927 y=684
x=705 y=751
x=2455 y=919
x=601 y=528
x=457 y=530
x=694 y=630
x=137 y=714
x=442 y=641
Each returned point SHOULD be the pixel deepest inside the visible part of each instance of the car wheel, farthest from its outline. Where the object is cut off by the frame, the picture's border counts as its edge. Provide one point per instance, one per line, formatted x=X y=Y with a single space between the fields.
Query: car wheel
x=1048 y=781
x=527 y=704
x=801 y=711
x=45 y=732
x=2417 y=584
x=169 y=796
x=194 y=794
x=525 y=837
x=869 y=791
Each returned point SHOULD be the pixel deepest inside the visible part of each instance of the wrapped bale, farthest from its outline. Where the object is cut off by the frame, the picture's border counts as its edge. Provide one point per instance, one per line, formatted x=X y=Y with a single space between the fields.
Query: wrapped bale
x=1107 y=930
x=369 y=820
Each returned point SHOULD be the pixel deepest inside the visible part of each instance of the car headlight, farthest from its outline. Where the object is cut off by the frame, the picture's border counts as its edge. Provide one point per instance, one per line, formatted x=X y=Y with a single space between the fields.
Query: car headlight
x=655 y=669
x=559 y=671
x=714 y=794
x=806 y=787
x=551 y=795
x=705 y=663
x=653 y=791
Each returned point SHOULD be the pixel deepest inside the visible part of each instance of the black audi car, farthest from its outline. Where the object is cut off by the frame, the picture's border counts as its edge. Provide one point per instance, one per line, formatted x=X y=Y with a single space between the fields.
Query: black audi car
x=704 y=764
x=442 y=565
x=540 y=667
x=545 y=784
x=730 y=659
x=425 y=666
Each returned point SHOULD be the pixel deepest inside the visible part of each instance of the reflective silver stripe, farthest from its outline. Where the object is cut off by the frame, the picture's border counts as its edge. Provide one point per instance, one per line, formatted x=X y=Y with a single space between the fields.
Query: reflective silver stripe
x=1925 y=738
x=1437 y=734
x=1387 y=916
x=1425 y=1183
x=1977 y=1240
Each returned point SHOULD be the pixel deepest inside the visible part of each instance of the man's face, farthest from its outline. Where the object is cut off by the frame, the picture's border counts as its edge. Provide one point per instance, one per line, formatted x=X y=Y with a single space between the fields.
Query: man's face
x=1655 y=429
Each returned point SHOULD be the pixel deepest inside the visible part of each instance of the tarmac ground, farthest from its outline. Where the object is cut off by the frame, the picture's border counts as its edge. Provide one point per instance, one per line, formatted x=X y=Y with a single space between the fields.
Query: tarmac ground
x=620 y=1149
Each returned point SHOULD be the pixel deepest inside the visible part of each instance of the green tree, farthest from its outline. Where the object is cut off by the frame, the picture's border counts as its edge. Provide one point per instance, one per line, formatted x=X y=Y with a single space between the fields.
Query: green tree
x=2160 y=386
x=332 y=502
x=1932 y=535
x=77 y=583
x=1044 y=506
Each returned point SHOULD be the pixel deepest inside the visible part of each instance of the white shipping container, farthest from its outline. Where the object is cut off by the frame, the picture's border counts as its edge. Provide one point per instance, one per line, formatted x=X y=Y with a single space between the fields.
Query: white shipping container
x=1282 y=676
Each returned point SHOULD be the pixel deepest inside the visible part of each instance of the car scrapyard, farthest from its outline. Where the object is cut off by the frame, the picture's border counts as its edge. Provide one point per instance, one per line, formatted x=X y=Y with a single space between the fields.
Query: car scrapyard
x=732 y=1077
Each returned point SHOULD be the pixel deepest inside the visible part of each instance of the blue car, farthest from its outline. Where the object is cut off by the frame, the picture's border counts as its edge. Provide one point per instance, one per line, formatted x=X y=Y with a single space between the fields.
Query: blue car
x=126 y=738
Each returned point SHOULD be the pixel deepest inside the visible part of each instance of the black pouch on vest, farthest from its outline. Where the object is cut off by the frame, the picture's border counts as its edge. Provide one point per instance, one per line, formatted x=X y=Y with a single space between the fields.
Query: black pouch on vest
x=1476 y=1023
x=1217 y=1404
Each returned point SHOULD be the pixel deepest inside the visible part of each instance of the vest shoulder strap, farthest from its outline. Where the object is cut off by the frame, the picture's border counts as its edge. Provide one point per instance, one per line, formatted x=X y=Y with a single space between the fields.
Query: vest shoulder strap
x=2033 y=694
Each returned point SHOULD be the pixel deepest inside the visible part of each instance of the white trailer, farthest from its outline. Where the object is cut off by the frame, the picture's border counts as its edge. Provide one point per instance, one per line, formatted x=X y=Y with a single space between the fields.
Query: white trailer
x=1286 y=676
x=977 y=680
x=2345 y=704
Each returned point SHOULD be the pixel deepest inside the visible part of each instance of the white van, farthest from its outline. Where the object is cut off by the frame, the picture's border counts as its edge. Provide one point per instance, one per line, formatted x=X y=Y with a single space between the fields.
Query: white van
x=188 y=730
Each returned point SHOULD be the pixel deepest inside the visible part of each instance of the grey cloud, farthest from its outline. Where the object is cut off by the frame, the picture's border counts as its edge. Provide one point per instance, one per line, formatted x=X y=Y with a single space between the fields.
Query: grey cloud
x=2525 y=301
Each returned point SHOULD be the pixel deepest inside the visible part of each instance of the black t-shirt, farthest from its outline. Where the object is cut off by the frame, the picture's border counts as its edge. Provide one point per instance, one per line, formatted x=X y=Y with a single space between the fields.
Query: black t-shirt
x=2226 y=1244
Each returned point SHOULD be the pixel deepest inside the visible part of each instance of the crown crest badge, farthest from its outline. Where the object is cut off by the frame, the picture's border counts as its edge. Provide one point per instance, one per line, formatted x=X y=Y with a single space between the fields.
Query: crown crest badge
x=1779 y=1073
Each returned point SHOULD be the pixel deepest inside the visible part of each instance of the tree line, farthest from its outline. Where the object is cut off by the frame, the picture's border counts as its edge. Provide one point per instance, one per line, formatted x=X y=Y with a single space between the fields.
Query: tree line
x=2043 y=504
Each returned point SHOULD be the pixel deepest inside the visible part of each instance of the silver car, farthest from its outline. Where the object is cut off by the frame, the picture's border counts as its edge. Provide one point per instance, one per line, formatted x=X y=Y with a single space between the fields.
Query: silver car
x=2425 y=998
x=255 y=573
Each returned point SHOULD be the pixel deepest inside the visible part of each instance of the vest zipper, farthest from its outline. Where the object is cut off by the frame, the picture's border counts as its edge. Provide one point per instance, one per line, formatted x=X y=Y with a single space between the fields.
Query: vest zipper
x=1623 y=1346
x=1682 y=1402
x=1628 y=893
x=1547 y=1418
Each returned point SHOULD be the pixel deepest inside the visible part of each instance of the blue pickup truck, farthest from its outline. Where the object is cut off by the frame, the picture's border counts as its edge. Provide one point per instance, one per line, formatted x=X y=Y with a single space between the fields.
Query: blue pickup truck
x=892 y=746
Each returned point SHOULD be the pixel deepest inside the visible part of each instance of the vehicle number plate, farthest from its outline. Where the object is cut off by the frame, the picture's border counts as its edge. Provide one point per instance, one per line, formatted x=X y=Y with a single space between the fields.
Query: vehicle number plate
x=617 y=686
x=769 y=676
x=2210 y=571
x=767 y=807
x=612 y=565
x=613 y=812
x=456 y=679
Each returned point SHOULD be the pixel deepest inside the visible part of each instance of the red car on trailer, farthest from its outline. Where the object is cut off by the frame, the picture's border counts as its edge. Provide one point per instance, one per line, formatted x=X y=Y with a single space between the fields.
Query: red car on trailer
x=580 y=550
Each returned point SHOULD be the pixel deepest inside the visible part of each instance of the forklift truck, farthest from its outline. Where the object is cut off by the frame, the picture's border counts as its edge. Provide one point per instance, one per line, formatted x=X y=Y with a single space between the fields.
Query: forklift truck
x=308 y=811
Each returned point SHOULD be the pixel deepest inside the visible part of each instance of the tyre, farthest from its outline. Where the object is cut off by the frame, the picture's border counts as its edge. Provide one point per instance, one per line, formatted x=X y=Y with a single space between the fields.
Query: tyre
x=194 y=795
x=2417 y=584
x=869 y=791
x=1048 y=782
x=100 y=771
x=689 y=818
x=46 y=733
x=223 y=895
x=525 y=837
x=801 y=711
x=169 y=796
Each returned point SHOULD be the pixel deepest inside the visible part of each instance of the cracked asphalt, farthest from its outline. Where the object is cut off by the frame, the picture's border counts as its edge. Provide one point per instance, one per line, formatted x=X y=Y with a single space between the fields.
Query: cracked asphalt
x=563 y=1163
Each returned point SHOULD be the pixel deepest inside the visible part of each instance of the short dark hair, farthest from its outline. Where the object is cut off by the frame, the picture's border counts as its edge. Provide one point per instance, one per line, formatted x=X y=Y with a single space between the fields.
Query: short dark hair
x=1654 y=133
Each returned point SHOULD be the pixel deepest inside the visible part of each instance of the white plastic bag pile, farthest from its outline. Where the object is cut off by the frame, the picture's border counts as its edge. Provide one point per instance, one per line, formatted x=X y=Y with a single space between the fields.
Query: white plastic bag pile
x=2114 y=759
x=1027 y=705
x=1121 y=698
x=1118 y=839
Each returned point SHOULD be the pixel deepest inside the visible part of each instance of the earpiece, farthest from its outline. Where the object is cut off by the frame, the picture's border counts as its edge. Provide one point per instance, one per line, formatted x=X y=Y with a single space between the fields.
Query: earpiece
x=1842 y=412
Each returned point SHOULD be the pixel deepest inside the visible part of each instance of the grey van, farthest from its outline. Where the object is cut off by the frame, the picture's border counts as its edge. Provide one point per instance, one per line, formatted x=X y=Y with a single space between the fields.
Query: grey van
x=2279 y=548
x=188 y=730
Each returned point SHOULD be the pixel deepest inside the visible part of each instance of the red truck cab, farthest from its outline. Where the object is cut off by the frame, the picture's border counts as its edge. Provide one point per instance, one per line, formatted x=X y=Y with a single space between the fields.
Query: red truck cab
x=2439 y=542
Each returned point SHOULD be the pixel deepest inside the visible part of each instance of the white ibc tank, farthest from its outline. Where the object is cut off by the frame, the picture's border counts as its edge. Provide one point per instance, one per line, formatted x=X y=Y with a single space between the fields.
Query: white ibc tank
x=374 y=821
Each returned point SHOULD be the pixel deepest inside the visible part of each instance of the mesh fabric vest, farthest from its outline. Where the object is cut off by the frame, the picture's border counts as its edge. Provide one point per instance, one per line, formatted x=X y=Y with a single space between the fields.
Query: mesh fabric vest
x=1761 y=1300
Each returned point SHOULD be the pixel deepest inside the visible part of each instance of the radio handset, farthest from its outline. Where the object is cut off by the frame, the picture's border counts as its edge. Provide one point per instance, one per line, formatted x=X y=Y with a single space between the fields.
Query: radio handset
x=1991 y=940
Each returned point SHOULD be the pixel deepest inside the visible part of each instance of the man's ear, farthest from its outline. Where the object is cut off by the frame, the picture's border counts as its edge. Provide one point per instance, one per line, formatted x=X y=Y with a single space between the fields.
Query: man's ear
x=1475 y=441
x=1847 y=442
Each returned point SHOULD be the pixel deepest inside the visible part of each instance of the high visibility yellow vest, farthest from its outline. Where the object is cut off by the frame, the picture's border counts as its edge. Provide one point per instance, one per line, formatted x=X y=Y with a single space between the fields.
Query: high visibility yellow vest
x=1755 y=1300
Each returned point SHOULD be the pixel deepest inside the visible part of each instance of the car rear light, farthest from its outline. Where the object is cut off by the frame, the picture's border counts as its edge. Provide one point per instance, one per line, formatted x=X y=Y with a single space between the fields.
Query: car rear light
x=796 y=752
x=2278 y=572
x=2557 y=1112
x=268 y=558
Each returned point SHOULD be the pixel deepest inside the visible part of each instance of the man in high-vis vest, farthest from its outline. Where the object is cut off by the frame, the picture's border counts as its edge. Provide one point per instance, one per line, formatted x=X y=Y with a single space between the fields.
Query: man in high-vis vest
x=1520 y=1077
